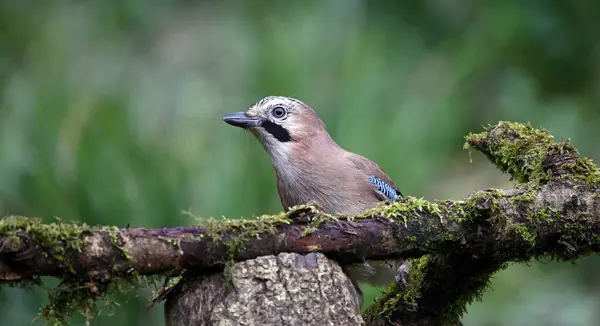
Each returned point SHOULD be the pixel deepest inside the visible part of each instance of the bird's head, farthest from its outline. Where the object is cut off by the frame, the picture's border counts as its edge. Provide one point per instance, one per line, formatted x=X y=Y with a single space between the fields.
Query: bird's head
x=279 y=123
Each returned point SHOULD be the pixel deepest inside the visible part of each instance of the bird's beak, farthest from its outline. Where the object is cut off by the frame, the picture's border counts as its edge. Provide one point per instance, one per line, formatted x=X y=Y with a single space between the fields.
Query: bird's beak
x=242 y=120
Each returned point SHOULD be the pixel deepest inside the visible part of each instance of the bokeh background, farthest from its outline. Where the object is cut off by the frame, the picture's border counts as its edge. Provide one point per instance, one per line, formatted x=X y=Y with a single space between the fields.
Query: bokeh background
x=110 y=113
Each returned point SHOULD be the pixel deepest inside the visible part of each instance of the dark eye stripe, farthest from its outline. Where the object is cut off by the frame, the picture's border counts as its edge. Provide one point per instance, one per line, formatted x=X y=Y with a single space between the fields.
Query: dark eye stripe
x=279 y=132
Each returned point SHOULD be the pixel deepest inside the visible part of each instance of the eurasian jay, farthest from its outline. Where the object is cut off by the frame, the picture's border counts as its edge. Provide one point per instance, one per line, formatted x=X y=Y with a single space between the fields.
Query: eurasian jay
x=312 y=168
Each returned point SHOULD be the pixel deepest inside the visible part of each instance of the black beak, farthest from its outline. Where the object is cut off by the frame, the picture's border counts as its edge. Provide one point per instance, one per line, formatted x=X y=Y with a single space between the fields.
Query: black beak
x=242 y=120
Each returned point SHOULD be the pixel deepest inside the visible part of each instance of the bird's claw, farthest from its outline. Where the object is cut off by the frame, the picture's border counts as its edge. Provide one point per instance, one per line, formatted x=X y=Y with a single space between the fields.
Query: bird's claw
x=402 y=270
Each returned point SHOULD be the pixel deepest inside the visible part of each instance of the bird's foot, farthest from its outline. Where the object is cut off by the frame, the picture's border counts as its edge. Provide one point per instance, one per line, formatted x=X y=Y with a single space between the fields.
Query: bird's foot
x=402 y=272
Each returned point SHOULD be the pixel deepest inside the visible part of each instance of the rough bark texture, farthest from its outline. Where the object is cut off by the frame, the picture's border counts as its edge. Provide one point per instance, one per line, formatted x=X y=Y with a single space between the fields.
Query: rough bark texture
x=454 y=246
x=287 y=289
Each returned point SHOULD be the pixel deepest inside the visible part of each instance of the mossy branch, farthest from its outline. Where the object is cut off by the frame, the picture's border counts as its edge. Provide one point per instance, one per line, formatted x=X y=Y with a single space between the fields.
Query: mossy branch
x=554 y=211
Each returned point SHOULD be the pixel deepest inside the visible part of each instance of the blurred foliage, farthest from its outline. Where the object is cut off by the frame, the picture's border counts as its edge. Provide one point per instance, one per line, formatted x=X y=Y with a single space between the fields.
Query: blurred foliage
x=110 y=113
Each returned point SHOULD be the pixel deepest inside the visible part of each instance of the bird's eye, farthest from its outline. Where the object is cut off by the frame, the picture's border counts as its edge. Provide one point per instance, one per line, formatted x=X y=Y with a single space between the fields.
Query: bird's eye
x=278 y=112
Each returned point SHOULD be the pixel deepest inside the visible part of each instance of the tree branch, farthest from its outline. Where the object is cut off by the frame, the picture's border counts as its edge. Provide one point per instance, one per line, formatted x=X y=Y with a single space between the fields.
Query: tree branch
x=554 y=211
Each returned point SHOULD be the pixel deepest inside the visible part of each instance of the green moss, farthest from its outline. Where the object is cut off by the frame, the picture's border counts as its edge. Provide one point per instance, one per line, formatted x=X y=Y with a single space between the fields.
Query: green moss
x=585 y=170
x=159 y=292
x=525 y=234
x=57 y=239
x=89 y=299
x=396 y=294
x=401 y=211
x=546 y=214
x=246 y=229
x=471 y=208
x=525 y=198
x=535 y=218
x=415 y=277
x=520 y=152
x=69 y=297
x=317 y=217
x=113 y=235
x=457 y=211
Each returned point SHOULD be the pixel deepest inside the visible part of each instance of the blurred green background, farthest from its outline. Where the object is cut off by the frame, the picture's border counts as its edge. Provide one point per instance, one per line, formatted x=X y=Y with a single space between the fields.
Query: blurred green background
x=110 y=113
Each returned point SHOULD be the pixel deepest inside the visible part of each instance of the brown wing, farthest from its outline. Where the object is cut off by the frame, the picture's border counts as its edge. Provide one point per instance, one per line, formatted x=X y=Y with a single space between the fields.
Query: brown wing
x=371 y=169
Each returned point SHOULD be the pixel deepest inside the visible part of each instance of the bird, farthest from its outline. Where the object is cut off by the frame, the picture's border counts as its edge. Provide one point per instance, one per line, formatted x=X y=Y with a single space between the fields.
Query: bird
x=311 y=167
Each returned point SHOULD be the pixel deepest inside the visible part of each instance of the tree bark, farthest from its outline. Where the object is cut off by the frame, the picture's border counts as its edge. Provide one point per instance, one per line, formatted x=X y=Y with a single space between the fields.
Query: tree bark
x=287 y=289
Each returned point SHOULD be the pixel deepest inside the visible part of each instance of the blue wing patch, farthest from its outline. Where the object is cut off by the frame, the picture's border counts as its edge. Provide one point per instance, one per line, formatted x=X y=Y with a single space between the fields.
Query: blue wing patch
x=389 y=191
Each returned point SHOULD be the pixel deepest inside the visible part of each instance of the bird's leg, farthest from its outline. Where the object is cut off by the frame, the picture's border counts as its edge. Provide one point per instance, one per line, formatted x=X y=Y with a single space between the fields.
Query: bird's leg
x=402 y=271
